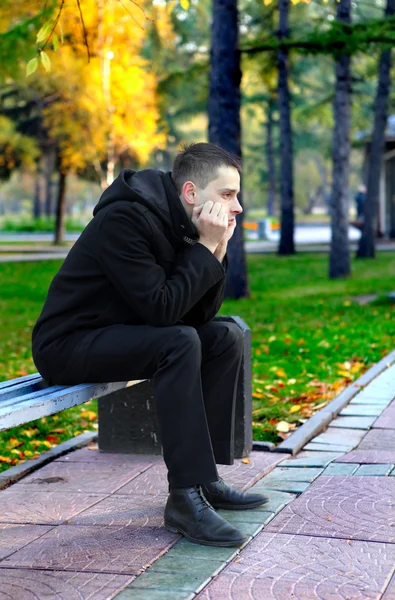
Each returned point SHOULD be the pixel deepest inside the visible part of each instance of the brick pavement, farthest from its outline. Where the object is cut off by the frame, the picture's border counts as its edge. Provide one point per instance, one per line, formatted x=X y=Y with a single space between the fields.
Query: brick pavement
x=90 y=525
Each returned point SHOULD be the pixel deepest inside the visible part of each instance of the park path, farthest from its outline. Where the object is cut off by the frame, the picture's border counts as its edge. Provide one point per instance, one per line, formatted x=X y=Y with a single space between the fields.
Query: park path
x=90 y=525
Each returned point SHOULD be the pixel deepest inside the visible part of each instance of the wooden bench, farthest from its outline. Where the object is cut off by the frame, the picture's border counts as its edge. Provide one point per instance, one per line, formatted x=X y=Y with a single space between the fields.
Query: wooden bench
x=127 y=418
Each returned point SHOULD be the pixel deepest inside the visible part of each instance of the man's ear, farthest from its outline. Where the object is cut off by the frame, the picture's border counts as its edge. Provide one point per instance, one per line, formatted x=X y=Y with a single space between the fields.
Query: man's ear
x=188 y=192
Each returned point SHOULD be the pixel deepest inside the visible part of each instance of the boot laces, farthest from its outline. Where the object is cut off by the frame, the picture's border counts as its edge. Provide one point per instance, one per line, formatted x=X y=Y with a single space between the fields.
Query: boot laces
x=200 y=500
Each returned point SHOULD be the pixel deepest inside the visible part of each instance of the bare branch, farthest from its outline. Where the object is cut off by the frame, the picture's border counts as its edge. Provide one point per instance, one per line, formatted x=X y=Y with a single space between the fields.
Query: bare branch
x=54 y=24
x=85 y=34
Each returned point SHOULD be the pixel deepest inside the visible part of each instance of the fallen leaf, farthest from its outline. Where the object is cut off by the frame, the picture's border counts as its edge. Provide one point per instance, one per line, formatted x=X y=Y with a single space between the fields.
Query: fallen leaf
x=5 y=459
x=255 y=395
x=245 y=461
x=14 y=443
x=281 y=373
x=284 y=436
x=88 y=414
x=283 y=427
x=294 y=408
x=52 y=438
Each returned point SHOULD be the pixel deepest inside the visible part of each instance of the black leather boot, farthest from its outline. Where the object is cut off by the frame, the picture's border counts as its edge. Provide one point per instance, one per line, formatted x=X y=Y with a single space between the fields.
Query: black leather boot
x=188 y=512
x=221 y=495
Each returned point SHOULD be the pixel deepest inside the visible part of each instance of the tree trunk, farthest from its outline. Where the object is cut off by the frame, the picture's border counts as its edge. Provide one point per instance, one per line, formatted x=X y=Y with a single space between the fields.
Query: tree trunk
x=37 y=196
x=49 y=167
x=224 y=120
x=270 y=162
x=339 y=258
x=367 y=246
x=60 y=208
x=287 y=245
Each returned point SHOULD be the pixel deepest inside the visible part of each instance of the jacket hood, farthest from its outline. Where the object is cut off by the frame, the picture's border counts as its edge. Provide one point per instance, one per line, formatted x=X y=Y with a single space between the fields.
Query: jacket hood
x=155 y=190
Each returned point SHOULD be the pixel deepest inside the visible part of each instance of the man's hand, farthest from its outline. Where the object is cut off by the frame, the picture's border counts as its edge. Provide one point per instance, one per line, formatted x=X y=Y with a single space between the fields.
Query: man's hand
x=211 y=222
x=222 y=246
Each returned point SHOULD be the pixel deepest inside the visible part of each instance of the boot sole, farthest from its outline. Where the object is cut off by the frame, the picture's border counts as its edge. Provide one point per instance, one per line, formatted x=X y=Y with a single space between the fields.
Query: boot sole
x=205 y=542
x=240 y=506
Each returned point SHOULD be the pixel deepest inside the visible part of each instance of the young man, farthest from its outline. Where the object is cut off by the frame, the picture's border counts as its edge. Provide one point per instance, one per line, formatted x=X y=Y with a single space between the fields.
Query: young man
x=135 y=299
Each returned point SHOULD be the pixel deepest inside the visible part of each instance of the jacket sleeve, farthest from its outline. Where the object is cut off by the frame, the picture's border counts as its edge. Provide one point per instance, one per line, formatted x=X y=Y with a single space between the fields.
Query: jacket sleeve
x=208 y=306
x=126 y=257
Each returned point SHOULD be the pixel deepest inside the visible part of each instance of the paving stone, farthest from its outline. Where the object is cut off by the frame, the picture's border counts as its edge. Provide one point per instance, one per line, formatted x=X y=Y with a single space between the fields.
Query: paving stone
x=341 y=469
x=25 y=584
x=146 y=484
x=276 y=499
x=187 y=549
x=13 y=537
x=387 y=418
x=188 y=582
x=334 y=437
x=109 y=549
x=310 y=459
x=378 y=393
x=149 y=594
x=361 y=410
x=260 y=517
x=293 y=487
x=368 y=457
x=285 y=567
x=202 y=567
x=389 y=593
x=367 y=400
x=86 y=455
x=378 y=439
x=374 y=470
x=353 y=422
x=292 y=474
x=78 y=477
x=335 y=448
x=138 y=511
x=360 y=508
x=249 y=529
x=242 y=476
x=22 y=506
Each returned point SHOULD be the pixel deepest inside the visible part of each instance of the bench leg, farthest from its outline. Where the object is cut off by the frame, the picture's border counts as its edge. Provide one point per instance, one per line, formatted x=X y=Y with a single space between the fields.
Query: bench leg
x=128 y=422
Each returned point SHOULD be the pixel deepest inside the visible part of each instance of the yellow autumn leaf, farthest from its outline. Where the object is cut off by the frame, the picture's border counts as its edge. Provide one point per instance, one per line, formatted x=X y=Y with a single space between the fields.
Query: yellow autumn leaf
x=88 y=414
x=344 y=373
x=281 y=373
x=246 y=461
x=294 y=408
x=29 y=432
x=13 y=442
x=267 y=2
x=282 y=426
x=255 y=395
x=184 y=4
x=5 y=459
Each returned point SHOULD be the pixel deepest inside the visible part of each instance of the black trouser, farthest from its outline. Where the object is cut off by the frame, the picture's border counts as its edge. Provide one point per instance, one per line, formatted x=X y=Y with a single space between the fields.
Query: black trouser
x=195 y=373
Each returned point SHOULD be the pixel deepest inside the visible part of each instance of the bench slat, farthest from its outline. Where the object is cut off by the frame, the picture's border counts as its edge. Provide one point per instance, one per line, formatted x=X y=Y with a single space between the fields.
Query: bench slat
x=23 y=389
x=44 y=405
x=14 y=400
x=12 y=382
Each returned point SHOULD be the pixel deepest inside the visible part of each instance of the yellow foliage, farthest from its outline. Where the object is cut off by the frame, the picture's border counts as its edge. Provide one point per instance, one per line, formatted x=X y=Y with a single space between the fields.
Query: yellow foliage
x=110 y=103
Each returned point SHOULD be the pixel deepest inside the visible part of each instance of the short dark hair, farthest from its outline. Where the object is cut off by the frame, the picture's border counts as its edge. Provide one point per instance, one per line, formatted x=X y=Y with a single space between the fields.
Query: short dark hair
x=200 y=162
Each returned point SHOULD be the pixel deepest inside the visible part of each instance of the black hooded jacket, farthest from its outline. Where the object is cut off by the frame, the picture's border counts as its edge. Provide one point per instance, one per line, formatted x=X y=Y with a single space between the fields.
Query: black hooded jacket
x=136 y=262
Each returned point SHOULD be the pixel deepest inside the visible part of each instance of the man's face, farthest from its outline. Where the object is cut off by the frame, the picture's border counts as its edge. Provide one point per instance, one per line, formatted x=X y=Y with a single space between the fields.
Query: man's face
x=223 y=189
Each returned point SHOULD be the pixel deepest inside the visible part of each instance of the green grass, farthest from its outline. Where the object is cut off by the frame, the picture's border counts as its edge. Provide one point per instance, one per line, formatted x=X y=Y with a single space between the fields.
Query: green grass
x=310 y=339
